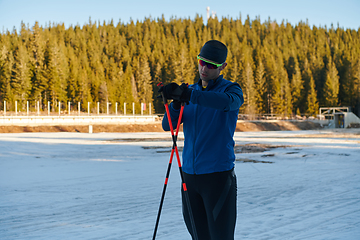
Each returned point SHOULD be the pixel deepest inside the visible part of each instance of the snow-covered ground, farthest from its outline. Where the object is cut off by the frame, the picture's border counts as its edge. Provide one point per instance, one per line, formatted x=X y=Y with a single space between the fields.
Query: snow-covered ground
x=108 y=186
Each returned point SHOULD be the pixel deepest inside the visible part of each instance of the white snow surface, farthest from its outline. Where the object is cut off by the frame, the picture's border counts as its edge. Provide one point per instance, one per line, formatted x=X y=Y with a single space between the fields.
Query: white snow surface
x=108 y=186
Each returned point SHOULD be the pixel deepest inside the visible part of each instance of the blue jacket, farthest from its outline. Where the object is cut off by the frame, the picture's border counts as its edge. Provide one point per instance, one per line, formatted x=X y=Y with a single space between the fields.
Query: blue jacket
x=209 y=123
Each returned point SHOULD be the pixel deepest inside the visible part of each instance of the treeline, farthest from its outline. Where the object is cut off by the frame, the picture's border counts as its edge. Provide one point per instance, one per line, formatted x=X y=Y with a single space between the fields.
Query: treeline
x=282 y=69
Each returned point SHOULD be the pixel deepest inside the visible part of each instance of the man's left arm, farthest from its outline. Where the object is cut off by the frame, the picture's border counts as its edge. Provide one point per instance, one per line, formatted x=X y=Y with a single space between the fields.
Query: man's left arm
x=229 y=100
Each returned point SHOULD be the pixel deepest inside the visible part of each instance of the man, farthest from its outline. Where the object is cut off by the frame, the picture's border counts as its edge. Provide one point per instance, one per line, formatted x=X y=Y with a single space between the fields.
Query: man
x=209 y=122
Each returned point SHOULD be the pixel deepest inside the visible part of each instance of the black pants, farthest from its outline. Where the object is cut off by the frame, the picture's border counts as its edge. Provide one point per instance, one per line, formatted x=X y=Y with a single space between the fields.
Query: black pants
x=213 y=204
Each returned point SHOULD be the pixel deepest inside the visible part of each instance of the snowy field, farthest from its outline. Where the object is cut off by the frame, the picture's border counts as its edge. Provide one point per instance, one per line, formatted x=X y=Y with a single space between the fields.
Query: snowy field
x=108 y=186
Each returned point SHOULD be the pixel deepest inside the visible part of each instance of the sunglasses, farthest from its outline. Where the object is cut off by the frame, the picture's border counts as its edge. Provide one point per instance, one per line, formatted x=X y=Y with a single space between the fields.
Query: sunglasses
x=208 y=64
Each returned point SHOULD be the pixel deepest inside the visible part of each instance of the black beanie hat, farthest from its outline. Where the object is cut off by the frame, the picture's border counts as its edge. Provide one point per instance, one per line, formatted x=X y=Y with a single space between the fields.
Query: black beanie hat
x=214 y=51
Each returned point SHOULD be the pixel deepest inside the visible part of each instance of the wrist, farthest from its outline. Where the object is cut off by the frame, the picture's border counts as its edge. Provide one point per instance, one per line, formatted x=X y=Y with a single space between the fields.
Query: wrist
x=186 y=95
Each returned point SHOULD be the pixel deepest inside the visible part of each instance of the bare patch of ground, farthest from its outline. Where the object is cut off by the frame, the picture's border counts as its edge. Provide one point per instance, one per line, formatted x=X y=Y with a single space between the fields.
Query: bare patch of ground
x=256 y=147
x=276 y=126
x=246 y=160
x=334 y=133
x=242 y=126
x=161 y=149
x=156 y=127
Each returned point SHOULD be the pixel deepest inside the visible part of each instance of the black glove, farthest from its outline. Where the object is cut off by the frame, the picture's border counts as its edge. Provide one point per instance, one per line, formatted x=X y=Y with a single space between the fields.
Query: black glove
x=179 y=93
x=186 y=93
x=171 y=91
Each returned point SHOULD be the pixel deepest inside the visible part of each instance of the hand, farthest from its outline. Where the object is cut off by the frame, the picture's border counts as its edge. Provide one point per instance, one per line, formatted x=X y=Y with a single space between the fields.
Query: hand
x=179 y=93
x=171 y=91
x=186 y=93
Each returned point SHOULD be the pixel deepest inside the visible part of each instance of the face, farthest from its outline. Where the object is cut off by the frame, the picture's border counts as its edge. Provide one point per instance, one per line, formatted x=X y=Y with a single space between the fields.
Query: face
x=207 y=74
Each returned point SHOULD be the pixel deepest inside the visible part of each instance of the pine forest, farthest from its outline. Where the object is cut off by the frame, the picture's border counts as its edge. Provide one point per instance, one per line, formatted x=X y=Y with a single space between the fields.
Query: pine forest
x=282 y=68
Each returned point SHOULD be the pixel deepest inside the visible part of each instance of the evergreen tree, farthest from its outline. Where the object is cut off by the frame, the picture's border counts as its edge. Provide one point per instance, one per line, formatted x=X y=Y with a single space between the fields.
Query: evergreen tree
x=278 y=87
x=278 y=66
x=286 y=93
x=355 y=90
x=129 y=90
x=331 y=88
x=249 y=89
x=234 y=72
x=57 y=72
x=6 y=63
x=306 y=75
x=143 y=80
x=37 y=60
x=73 y=88
x=309 y=92
x=21 y=76
x=296 y=87
x=260 y=85
x=312 y=105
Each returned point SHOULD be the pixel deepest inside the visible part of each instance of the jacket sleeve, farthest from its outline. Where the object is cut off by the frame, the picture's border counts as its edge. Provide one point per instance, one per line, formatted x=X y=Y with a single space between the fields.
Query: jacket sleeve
x=230 y=100
x=174 y=114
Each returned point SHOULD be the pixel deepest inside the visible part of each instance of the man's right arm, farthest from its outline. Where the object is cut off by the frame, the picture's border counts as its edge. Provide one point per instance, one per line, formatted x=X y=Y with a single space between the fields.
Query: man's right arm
x=174 y=114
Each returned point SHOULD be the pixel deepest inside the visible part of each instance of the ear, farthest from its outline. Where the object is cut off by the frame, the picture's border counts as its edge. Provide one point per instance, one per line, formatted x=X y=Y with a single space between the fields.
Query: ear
x=222 y=67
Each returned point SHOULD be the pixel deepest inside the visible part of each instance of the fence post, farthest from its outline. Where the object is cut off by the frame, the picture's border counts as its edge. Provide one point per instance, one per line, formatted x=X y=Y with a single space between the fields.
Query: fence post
x=79 y=108
x=149 y=108
x=88 y=108
x=59 y=108
x=4 y=108
x=133 y=108
x=124 y=108
x=15 y=107
x=27 y=108
x=49 y=108
x=116 y=107
x=107 y=108
x=38 y=107
x=142 y=108
x=98 y=108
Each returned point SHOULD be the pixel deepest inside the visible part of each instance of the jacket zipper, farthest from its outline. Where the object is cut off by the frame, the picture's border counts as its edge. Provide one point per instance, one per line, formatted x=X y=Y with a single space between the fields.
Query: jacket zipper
x=195 y=133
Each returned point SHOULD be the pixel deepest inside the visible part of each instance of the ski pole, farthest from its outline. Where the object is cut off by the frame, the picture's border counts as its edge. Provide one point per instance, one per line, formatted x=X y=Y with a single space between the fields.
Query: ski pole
x=186 y=194
x=174 y=149
x=168 y=168
x=169 y=165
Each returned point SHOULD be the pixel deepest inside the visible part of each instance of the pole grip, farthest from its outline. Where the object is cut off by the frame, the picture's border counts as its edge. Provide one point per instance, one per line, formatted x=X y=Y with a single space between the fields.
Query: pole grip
x=160 y=84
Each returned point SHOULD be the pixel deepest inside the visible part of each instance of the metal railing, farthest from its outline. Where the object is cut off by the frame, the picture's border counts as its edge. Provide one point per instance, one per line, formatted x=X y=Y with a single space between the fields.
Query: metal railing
x=72 y=109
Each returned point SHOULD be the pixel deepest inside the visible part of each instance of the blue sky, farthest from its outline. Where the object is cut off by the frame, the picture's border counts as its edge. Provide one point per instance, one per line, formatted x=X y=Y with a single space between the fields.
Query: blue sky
x=317 y=12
